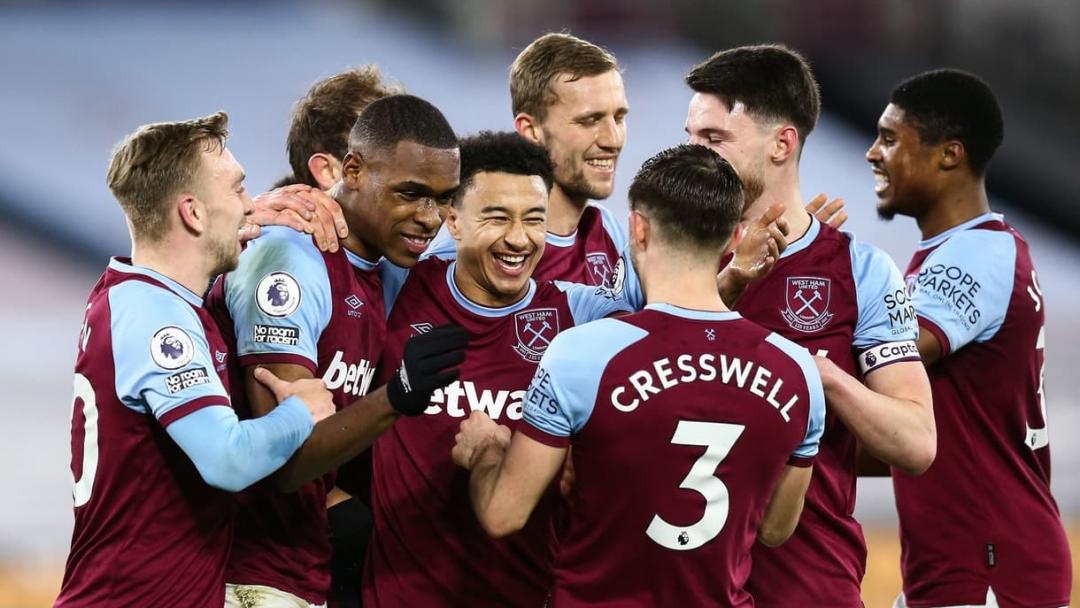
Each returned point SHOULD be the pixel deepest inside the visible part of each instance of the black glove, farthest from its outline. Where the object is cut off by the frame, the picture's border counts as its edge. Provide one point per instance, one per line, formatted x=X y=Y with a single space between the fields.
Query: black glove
x=426 y=367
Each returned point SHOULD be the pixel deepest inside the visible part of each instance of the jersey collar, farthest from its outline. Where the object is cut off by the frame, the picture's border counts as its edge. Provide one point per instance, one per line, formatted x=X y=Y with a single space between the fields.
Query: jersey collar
x=486 y=311
x=697 y=315
x=125 y=266
x=936 y=240
x=360 y=263
x=805 y=240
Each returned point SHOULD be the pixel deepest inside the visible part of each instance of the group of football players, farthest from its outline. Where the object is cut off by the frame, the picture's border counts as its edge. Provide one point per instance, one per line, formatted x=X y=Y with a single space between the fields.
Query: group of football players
x=442 y=375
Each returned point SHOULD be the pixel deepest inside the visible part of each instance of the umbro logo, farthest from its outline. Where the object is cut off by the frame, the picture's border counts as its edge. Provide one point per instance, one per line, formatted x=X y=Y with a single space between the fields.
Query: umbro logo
x=354 y=303
x=220 y=356
x=422 y=328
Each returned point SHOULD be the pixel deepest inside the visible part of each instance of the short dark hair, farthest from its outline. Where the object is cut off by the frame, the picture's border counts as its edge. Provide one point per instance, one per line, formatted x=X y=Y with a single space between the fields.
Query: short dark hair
x=322 y=119
x=397 y=118
x=533 y=73
x=771 y=80
x=692 y=193
x=160 y=160
x=502 y=152
x=953 y=104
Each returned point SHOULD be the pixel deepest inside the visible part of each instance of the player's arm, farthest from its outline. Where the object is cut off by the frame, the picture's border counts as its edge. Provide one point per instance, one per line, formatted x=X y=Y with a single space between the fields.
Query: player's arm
x=929 y=346
x=786 y=505
x=430 y=362
x=508 y=475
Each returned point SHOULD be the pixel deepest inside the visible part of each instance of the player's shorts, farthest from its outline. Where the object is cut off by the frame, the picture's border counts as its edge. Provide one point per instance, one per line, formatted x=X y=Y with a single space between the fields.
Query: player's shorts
x=260 y=596
x=991 y=602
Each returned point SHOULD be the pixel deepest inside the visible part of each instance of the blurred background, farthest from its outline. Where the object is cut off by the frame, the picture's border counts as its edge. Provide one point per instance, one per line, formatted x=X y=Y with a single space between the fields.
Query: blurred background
x=78 y=76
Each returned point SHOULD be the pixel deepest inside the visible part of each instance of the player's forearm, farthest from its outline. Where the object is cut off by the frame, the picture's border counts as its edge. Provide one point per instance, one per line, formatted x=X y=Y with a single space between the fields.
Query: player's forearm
x=898 y=430
x=785 y=507
x=337 y=440
x=491 y=510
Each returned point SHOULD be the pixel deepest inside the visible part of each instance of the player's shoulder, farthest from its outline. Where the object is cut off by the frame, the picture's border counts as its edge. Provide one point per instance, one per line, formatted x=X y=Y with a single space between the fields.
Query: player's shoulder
x=976 y=248
x=280 y=246
x=136 y=307
x=609 y=222
x=595 y=340
x=866 y=255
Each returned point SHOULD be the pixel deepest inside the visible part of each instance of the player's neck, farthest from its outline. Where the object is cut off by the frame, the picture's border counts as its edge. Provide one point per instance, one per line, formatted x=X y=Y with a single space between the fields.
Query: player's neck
x=187 y=267
x=564 y=212
x=798 y=220
x=357 y=246
x=682 y=282
x=953 y=208
x=478 y=294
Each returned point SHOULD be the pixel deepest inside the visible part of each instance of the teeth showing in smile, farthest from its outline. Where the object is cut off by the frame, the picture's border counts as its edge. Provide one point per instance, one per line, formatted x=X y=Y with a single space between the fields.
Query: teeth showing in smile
x=510 y=260
x=418 y=240
x=601 y=163
x=881 y=181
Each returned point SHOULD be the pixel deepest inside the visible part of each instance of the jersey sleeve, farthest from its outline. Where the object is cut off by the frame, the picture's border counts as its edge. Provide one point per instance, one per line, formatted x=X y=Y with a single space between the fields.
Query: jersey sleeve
x=589 y=303
x=161 y=355
x=964 y=286
x=624 y=278
x=443 y=246
x=807 y=450
x=279 y=299
x=886 y=329
x=563 y=391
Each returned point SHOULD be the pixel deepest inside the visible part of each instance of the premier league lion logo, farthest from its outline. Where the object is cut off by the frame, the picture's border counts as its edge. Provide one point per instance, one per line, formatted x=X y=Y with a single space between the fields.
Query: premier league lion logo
x=278 y=294
x=171 y=348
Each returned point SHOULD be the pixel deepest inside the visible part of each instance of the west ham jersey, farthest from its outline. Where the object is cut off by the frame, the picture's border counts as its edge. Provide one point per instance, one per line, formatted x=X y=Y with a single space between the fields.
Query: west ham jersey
x=427 y=548
x=148 y=530
x=844 y=300
x=287 y=302
x=589 y=256
x=983 y=514
x=681 y=422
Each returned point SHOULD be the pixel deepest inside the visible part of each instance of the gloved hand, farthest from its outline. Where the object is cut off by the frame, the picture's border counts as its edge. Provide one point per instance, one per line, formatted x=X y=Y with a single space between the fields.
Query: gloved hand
x=429 y=363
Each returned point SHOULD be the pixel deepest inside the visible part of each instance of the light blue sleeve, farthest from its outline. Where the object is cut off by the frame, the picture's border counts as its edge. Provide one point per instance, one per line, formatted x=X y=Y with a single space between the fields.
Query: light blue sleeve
x=965 y=285
x=393 y=279
x=589 y=303
x=161 y=355
x=443 y=246
x=885 y=311
x=625 y=277
x=562 y=394
x=815 y=422
x=279 y=296
x=232 y=455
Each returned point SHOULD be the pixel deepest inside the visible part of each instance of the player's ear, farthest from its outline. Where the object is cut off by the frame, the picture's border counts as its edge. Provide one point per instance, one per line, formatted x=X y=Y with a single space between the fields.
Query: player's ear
x=529 y=128
x=639 y=230
x=325 y=168
x=453 y=220
x=192 y=213
x=785 y=144
x=352 y=170
x=736 y=238
x=952 y=155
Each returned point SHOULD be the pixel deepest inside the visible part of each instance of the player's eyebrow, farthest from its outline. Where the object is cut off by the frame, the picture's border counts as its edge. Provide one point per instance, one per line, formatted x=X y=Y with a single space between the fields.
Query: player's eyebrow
x=493 y=209
x=417 y=187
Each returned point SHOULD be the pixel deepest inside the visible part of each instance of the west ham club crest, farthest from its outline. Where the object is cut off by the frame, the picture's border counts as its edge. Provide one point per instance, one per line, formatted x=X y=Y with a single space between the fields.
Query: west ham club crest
x=599 y=268
x=535 y=329
x=807 y=300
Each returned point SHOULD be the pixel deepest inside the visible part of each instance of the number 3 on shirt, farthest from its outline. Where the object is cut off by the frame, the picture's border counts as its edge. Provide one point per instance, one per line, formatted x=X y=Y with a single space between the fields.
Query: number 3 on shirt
x=718 y=439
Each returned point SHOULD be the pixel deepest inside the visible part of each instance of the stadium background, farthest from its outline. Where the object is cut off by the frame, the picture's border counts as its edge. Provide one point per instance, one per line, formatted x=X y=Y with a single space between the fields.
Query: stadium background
x=77 y=76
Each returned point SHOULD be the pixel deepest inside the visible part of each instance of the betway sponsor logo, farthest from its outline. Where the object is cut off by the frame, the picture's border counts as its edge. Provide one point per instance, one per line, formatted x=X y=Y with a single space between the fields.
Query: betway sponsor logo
x=353 y=378
x=462 y=397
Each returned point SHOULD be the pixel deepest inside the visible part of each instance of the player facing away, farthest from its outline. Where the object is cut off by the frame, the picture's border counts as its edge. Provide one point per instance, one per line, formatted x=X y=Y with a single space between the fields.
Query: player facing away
x=427 y=548
x=980 y=528
x=693 y=430
x=156 y=447
x=841 y=299
x=303 y=313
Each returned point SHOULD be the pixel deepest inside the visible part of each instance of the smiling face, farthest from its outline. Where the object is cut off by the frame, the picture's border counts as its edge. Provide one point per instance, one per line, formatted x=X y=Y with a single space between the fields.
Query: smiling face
x=733 y=134
x=905 y=170
x=584 y=132
x=500 y=225
x=400 y=197
x=228 y=204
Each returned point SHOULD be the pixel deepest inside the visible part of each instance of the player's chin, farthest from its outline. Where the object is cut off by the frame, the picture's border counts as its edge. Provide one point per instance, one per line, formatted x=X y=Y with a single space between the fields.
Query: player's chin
x=886 y=210
x=402 y=257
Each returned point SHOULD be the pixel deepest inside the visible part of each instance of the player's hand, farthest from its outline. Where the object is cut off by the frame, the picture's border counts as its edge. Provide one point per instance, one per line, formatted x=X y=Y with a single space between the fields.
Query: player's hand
x=304 y=209
x=832 y=214
x=477 y=432
x=763 y=241
x=312 y=391
x=429 y=363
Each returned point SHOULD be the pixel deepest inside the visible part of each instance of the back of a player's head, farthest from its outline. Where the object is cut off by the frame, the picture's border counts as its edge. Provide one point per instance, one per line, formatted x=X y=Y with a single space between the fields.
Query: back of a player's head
x=953 y=105
x=393 y=119
x=159 y=161
x=533 y=73
x=502 y=152
x=774 y=82
x=322 y=119
x=691 y=195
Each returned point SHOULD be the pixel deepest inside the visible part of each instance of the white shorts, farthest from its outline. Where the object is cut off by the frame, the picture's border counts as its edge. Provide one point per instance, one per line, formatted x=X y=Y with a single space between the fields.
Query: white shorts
x=991 y=602
x=260 y=596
